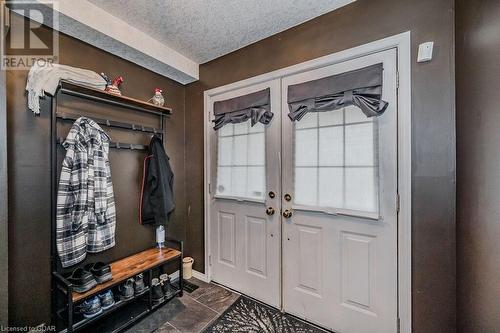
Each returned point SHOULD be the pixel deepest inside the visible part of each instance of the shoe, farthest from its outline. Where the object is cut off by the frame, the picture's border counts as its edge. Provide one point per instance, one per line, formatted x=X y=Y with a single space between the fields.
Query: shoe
x=91 y=307
x=157 y=291
x=100 y=271
x=107 y=300
x=139 y=286
x=81 y=280
x=127 y=289
x=167 y=288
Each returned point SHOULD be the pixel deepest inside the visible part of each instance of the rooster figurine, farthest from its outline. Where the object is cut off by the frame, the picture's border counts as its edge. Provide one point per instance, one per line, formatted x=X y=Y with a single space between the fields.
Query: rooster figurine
x=113 y=88
x=158 y=98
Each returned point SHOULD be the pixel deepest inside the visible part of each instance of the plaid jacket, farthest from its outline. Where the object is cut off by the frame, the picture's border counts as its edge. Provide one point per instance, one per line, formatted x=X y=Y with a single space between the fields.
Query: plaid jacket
x=86 y=215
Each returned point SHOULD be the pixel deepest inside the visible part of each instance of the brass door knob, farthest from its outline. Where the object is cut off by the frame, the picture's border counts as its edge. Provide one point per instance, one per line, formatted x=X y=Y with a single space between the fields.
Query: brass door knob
x=287 y=213
x=270 y=211
x=288 y=197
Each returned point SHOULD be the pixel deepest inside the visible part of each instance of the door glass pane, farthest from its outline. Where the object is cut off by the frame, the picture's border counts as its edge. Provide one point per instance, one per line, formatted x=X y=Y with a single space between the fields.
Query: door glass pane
x=310 y=120
x=361 y=187
x=306 y=186
x=306 y=145
x=336 y=161
x=331 y=118
x=354 y=114
x=360 y=144
x=331 y=187
x=256 y=180
x=241 y=155
x=331 y=146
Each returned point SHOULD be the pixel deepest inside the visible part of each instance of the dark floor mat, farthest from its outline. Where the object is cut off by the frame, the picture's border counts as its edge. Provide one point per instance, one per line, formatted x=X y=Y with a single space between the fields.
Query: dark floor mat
x=249 y=316
x=186 y=285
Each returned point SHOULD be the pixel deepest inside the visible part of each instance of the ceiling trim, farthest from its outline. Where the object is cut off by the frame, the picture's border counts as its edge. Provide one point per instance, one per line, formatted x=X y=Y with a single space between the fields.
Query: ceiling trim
x=87 y=22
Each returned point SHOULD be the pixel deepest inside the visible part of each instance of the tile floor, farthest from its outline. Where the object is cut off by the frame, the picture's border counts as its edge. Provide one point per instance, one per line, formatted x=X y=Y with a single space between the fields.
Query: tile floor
x=191 y=313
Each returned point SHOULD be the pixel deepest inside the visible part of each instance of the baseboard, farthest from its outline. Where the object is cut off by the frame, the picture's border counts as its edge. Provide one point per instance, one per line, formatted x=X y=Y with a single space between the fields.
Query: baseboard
x=174 y=276
x=197 y=275
x=200 y=276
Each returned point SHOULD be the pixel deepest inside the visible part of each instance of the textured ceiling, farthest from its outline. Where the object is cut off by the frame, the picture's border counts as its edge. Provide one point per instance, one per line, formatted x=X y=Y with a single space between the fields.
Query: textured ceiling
x=203 y=30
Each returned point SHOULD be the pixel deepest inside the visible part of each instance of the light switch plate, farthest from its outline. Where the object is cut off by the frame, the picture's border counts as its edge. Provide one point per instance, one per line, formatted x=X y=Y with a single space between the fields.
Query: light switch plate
x=425 y=52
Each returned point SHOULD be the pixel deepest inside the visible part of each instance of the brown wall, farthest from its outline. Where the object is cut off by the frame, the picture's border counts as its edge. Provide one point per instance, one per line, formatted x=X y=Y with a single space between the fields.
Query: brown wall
x=478 y=190
x=29 y=175
x=433 y=129
x=4 y=262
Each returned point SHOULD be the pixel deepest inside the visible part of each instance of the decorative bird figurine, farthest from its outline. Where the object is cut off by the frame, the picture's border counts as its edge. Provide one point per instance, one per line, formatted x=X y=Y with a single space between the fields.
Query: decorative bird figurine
x=113 y=88
x=158 y=98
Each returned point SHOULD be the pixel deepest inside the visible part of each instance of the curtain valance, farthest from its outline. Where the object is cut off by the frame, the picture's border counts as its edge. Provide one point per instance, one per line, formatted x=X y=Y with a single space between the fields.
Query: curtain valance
x=255 y=106
x=361 y=87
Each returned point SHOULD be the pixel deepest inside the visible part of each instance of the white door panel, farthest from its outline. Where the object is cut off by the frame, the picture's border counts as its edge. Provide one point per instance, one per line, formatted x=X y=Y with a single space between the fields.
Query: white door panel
x=245 y=252
x=256 y=245
x=340 y=244
x=226 y=225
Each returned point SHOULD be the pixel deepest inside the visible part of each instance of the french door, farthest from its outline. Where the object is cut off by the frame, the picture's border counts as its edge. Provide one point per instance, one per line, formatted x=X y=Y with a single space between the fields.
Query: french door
x=328 y=254
x=340 y=224
x=245 y=232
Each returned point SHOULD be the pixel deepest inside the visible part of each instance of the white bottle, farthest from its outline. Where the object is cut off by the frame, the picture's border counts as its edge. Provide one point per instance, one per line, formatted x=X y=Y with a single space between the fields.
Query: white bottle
x=160 y=236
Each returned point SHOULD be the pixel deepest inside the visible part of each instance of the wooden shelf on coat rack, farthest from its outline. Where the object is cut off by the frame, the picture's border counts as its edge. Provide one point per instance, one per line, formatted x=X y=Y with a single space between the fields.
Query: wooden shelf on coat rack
x=67 y=88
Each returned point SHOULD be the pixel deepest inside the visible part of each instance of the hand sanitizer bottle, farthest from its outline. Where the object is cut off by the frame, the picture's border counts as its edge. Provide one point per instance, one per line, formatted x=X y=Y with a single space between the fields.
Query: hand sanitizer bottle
x=160 y=236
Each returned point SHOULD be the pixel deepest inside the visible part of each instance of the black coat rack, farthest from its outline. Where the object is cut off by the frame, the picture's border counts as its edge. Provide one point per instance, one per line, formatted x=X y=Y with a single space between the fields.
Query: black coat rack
x=58 y=281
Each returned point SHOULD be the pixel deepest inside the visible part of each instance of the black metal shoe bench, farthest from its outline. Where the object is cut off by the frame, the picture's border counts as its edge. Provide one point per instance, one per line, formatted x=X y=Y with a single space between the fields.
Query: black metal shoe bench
x=140 y=304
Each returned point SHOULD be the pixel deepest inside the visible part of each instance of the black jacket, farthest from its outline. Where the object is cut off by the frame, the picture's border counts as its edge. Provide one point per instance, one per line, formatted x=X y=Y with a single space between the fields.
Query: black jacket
x=157 y=197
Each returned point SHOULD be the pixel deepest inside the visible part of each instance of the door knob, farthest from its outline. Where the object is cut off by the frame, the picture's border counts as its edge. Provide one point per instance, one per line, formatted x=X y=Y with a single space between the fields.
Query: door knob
x=287 y=213
x=270 y=211
x=288 y=197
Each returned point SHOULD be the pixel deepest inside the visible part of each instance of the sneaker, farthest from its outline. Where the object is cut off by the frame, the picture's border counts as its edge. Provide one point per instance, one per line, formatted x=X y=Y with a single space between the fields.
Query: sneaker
x=107 y=300
x=81 y=280
x=91 y=307
x=139 y=286
x=100 y=271
x=168 y=289
x=157 y=291
x=127 y=289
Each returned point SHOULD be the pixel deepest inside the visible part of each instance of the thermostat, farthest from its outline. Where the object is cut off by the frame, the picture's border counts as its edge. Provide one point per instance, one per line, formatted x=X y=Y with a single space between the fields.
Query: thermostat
x=425 y=52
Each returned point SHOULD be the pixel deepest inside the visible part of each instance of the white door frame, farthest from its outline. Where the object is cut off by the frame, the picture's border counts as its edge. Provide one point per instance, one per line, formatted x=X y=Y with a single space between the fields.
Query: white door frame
x=402 y=43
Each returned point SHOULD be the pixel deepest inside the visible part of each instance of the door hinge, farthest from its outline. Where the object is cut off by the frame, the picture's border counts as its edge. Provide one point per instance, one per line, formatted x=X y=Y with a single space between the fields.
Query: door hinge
x=399 y=325
x=397 y=79
x=398 y=203
x=210 y=260
x=209 y=188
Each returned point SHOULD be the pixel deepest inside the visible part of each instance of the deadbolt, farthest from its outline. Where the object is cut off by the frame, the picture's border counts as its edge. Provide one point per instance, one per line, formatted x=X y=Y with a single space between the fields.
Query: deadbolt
x=270 y=211
x=272 y=194
x=288 y=197
x=287 y=214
